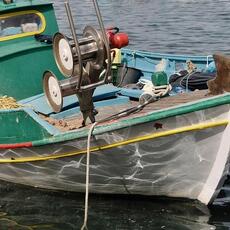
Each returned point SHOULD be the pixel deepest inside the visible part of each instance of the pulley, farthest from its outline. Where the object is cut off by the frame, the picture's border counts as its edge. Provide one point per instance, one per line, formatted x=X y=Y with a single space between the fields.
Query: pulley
x=55 y=90
x=91 y=50
x=86 y=62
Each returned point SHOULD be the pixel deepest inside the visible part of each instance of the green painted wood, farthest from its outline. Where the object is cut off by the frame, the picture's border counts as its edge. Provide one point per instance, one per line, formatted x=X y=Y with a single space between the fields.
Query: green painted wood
x=22 y=3
x=18 y=126
x=21 y=74
x=24 y=60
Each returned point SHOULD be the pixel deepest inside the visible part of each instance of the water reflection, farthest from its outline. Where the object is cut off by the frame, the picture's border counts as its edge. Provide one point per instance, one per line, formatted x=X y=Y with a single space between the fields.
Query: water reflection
x=220 y=217
x=26 y=208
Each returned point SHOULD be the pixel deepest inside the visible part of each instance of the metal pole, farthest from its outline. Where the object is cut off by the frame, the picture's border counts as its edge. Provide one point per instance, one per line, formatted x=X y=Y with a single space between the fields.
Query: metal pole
x=73 y=31
x=102 y=27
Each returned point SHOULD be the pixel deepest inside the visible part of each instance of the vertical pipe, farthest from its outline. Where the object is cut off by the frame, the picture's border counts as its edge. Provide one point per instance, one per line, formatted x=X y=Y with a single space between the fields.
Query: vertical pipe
x=72 y=27
x=105 y=38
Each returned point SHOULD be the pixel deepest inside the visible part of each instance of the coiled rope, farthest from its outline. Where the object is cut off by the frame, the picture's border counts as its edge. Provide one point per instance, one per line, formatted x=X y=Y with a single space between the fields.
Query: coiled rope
x=152 y=91
x=8 y=103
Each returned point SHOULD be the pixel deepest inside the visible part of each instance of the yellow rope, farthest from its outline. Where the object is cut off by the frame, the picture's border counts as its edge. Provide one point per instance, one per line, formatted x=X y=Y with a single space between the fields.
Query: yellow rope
x=118 y=144
x=8 y=103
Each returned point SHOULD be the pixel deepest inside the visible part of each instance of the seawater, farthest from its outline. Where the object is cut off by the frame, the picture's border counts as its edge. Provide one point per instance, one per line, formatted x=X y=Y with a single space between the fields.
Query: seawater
x=169 y=26
x=24 y=208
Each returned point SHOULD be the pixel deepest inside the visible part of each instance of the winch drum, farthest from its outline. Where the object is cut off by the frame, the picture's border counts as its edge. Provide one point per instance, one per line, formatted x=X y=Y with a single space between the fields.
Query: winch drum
x=92 y=49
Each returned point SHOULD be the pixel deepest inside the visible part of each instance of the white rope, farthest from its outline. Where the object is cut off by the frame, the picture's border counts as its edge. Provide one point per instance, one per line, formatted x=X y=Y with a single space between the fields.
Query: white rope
x=84 y=226
x=162 y=90
x=159 y=91
x=155 y=91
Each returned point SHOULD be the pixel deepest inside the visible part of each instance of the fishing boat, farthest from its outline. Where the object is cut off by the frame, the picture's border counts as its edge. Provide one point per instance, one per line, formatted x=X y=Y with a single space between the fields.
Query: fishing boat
x=148 y=137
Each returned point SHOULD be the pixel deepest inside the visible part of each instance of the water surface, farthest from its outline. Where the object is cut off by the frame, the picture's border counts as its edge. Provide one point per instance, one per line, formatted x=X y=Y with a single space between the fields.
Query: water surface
x=170 y=26
x=24 y=208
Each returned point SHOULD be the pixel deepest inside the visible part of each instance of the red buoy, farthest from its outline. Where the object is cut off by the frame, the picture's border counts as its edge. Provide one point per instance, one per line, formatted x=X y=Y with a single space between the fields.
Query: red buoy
x=117 y=40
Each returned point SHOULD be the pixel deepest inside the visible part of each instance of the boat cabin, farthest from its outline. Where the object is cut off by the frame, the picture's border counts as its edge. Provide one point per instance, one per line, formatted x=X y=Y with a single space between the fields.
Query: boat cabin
x=26 y=30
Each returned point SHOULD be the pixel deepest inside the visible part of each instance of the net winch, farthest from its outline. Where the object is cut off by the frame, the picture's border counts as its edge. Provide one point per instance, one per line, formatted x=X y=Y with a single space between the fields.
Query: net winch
x=85 y=62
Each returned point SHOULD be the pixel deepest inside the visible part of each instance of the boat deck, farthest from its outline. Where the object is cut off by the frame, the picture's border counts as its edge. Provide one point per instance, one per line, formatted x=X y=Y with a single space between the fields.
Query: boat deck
x=74 y=122
x=178 y=99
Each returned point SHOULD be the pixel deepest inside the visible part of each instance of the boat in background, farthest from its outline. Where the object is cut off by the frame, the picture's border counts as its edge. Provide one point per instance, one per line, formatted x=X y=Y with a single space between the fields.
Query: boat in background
x=154 y=136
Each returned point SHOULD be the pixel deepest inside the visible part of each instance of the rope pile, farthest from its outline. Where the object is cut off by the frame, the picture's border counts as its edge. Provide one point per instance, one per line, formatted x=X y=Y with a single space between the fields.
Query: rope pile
x=8 y=103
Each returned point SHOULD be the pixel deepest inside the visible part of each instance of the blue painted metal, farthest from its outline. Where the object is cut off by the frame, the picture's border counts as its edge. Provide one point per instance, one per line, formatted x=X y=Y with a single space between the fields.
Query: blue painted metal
x=73 y=111
x=132 y=93
x=39 y=103
x=159 y=56
x=147 y=61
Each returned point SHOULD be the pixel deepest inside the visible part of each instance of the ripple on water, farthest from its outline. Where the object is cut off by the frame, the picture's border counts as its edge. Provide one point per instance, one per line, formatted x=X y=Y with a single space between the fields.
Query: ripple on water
x=177 y=26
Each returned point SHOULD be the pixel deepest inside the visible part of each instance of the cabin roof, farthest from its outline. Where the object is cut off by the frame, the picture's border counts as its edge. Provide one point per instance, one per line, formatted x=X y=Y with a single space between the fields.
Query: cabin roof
x=21 y=3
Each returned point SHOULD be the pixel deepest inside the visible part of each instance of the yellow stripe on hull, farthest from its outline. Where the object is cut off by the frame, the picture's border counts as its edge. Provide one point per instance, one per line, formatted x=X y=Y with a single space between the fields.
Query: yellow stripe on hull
x=118 y=144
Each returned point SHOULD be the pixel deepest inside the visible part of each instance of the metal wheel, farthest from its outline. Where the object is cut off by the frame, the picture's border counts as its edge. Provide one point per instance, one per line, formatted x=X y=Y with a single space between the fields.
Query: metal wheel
x=52 y=91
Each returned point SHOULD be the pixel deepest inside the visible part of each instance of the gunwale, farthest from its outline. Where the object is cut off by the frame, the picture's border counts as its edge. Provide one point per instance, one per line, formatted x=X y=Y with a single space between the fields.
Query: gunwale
x=146 y=115
x=186 y=103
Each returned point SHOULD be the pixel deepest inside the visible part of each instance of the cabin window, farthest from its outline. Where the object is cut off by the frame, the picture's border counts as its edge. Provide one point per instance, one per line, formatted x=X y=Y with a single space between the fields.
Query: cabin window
x=21 y=24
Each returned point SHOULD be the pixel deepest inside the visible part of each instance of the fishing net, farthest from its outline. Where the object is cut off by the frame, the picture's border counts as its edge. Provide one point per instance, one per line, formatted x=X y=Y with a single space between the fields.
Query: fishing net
x=8 y=103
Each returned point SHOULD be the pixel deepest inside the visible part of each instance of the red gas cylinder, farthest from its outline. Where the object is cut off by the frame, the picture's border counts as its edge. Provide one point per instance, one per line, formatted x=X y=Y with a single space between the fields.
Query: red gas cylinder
x=117 y=40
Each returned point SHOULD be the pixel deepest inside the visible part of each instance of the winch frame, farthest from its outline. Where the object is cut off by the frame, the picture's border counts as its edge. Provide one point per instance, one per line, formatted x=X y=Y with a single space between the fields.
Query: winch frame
x=78 y=50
